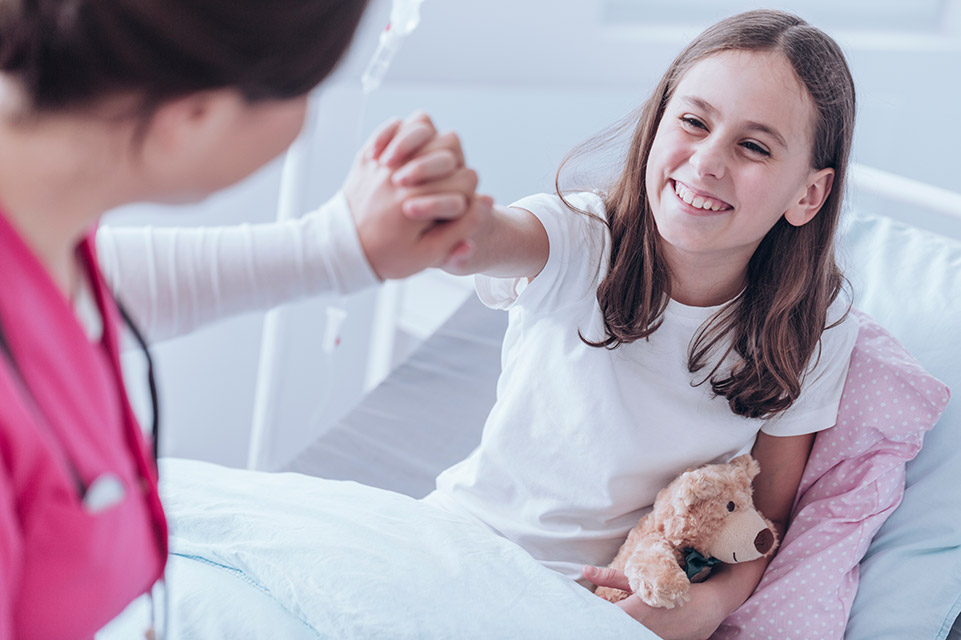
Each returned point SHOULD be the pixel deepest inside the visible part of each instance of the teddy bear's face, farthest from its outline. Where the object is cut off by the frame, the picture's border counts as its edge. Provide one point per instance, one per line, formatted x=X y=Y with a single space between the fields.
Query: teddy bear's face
x=712 y=510
x=731 y=531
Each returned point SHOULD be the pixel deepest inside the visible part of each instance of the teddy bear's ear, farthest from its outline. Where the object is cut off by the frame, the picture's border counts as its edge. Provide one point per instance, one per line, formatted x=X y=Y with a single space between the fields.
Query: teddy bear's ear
x=673 y=507
x=748 y=464
x=691 y=487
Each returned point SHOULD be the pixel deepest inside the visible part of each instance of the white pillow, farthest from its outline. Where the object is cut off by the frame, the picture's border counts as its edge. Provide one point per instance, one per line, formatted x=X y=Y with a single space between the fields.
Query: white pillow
x=909 y=280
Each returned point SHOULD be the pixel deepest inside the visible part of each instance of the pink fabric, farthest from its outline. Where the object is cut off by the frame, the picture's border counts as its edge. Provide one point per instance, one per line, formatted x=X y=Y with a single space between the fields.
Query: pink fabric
x=853 y=481
x=66 y=570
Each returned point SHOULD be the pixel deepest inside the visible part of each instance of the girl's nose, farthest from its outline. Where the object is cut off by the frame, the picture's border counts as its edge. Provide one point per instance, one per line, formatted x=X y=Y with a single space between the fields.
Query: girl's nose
x=708 y=160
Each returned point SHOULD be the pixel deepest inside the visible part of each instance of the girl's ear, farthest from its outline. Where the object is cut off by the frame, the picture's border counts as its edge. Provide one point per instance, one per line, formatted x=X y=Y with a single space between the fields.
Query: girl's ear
x=813 y=198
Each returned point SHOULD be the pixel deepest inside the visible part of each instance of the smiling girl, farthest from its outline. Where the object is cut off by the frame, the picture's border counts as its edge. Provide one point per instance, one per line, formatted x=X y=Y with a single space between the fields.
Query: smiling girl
x=687 y=315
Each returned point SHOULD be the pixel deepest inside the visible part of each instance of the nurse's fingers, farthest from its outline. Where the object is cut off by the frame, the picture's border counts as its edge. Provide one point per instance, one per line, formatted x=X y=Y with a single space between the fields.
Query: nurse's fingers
x=379 y=140
x=414 y=133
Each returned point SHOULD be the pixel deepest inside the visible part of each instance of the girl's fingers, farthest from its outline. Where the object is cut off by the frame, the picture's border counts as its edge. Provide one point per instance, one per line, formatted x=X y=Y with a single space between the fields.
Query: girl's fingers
x=438 y=199
x=451 y=142
x=414 y=133
x=461 y=251
x=438 y=206
x=381 y=138
x=462 y=181
x=607 y=577
x=434 y=165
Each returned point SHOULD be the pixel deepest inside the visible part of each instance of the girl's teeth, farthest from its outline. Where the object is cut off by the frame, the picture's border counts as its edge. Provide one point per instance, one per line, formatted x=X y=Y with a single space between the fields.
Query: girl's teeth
x=698 y=202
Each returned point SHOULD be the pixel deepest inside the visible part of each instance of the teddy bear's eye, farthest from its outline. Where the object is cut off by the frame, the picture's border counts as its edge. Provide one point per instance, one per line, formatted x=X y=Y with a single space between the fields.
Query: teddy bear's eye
x=730 y=506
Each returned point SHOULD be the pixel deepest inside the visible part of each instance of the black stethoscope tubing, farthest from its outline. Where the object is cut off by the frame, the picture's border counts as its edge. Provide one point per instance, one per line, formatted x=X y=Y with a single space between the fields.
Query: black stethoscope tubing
x=151 y=381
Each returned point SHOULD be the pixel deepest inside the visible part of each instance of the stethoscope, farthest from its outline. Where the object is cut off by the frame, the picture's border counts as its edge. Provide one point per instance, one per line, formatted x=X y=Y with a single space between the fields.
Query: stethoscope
x=107 y=489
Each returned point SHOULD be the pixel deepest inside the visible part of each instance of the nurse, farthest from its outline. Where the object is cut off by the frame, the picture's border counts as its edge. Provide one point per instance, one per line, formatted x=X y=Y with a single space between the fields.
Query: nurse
x=108 y=102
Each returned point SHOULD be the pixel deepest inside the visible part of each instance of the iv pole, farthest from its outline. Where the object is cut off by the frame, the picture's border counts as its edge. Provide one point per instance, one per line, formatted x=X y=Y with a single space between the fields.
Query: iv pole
x=404 y=18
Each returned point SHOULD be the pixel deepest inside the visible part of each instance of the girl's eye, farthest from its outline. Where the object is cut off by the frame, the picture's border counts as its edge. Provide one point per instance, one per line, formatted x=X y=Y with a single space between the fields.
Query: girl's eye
x=755 y=148
x=690 y=121
x=730 y=506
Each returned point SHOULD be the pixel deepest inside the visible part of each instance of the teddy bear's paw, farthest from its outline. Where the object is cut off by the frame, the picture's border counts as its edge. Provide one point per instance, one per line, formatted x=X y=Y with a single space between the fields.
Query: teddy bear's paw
x=666 y=592
x=611 y=595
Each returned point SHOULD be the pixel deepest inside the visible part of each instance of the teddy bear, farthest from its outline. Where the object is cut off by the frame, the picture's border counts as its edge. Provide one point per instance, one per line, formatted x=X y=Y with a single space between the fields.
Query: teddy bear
x=703 y=517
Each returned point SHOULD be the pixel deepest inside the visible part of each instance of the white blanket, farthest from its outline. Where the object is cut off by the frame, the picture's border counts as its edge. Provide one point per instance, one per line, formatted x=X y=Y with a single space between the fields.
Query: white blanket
x=334 y=559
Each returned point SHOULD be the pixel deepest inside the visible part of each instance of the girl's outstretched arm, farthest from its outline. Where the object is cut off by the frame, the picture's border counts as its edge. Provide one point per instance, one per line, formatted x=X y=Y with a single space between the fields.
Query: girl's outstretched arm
x=511 y=243
x=782 y=461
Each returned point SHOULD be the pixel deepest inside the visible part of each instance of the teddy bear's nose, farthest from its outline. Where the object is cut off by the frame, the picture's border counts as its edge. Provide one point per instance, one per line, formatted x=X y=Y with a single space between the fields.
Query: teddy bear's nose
x=764 y=541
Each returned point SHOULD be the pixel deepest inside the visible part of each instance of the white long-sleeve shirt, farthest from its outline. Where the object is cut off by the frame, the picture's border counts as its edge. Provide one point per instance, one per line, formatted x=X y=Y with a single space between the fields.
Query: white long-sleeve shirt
x=173 y=280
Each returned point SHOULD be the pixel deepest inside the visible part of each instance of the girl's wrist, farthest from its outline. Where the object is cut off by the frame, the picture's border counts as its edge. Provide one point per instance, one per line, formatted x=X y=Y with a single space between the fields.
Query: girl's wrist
x=722 y=598
x=733 y=584
x=721 y=606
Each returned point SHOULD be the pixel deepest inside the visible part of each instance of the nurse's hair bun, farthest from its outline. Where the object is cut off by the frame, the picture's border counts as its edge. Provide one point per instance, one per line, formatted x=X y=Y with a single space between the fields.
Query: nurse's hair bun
x=25 y=25
x=56 y=50
x=68 y=54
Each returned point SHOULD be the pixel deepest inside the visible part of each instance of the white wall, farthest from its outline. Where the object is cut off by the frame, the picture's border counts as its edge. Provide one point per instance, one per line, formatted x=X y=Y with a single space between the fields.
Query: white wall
x=523 y=81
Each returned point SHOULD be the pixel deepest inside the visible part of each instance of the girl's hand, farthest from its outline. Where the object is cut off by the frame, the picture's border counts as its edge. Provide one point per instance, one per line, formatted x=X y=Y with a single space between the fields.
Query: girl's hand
x=696 y=620
x=412 y=199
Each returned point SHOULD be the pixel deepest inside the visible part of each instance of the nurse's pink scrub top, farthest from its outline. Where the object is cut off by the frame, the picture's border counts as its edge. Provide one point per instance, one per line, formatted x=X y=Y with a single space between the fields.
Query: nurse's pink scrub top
x=67 y=569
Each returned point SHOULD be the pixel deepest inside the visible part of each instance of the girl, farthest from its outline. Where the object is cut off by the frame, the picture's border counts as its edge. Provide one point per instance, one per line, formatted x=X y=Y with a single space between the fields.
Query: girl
x=105 y=102
x=688 y=315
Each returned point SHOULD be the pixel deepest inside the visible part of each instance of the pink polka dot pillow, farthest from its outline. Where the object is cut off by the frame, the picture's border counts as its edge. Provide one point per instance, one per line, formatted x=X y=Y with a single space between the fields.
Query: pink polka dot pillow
x=853 y=481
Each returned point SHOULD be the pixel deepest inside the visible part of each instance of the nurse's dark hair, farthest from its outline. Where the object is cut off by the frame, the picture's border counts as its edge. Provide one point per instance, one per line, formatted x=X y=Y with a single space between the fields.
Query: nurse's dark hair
x=775 y=325
x=69 y=54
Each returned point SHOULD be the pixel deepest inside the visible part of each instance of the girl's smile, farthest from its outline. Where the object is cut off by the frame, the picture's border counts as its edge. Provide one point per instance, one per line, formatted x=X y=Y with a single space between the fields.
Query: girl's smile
x=699 y=203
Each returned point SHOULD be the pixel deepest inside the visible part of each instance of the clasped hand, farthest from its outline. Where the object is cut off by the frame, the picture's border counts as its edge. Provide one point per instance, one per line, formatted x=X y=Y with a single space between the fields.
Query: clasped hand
x=412 y=198
x=696 y=620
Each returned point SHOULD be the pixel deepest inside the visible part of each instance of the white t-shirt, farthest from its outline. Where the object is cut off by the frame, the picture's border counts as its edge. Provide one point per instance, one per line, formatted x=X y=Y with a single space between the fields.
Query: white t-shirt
x=581 y=438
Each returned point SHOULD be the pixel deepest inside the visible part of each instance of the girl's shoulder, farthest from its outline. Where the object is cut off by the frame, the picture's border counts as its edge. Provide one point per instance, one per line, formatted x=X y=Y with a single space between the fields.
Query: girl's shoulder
x=841 y=327
x=822 y=384
x=590 y=203
x=575 y=222
x=579 y=243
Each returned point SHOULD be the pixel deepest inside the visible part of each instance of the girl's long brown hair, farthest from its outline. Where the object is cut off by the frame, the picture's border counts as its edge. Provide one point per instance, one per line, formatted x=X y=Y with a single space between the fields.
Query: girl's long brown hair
x=775 y=325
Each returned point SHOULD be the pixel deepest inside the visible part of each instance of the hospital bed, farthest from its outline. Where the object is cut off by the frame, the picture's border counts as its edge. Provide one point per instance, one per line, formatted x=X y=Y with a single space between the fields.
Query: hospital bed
x=429 y=413
x=324 y=551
